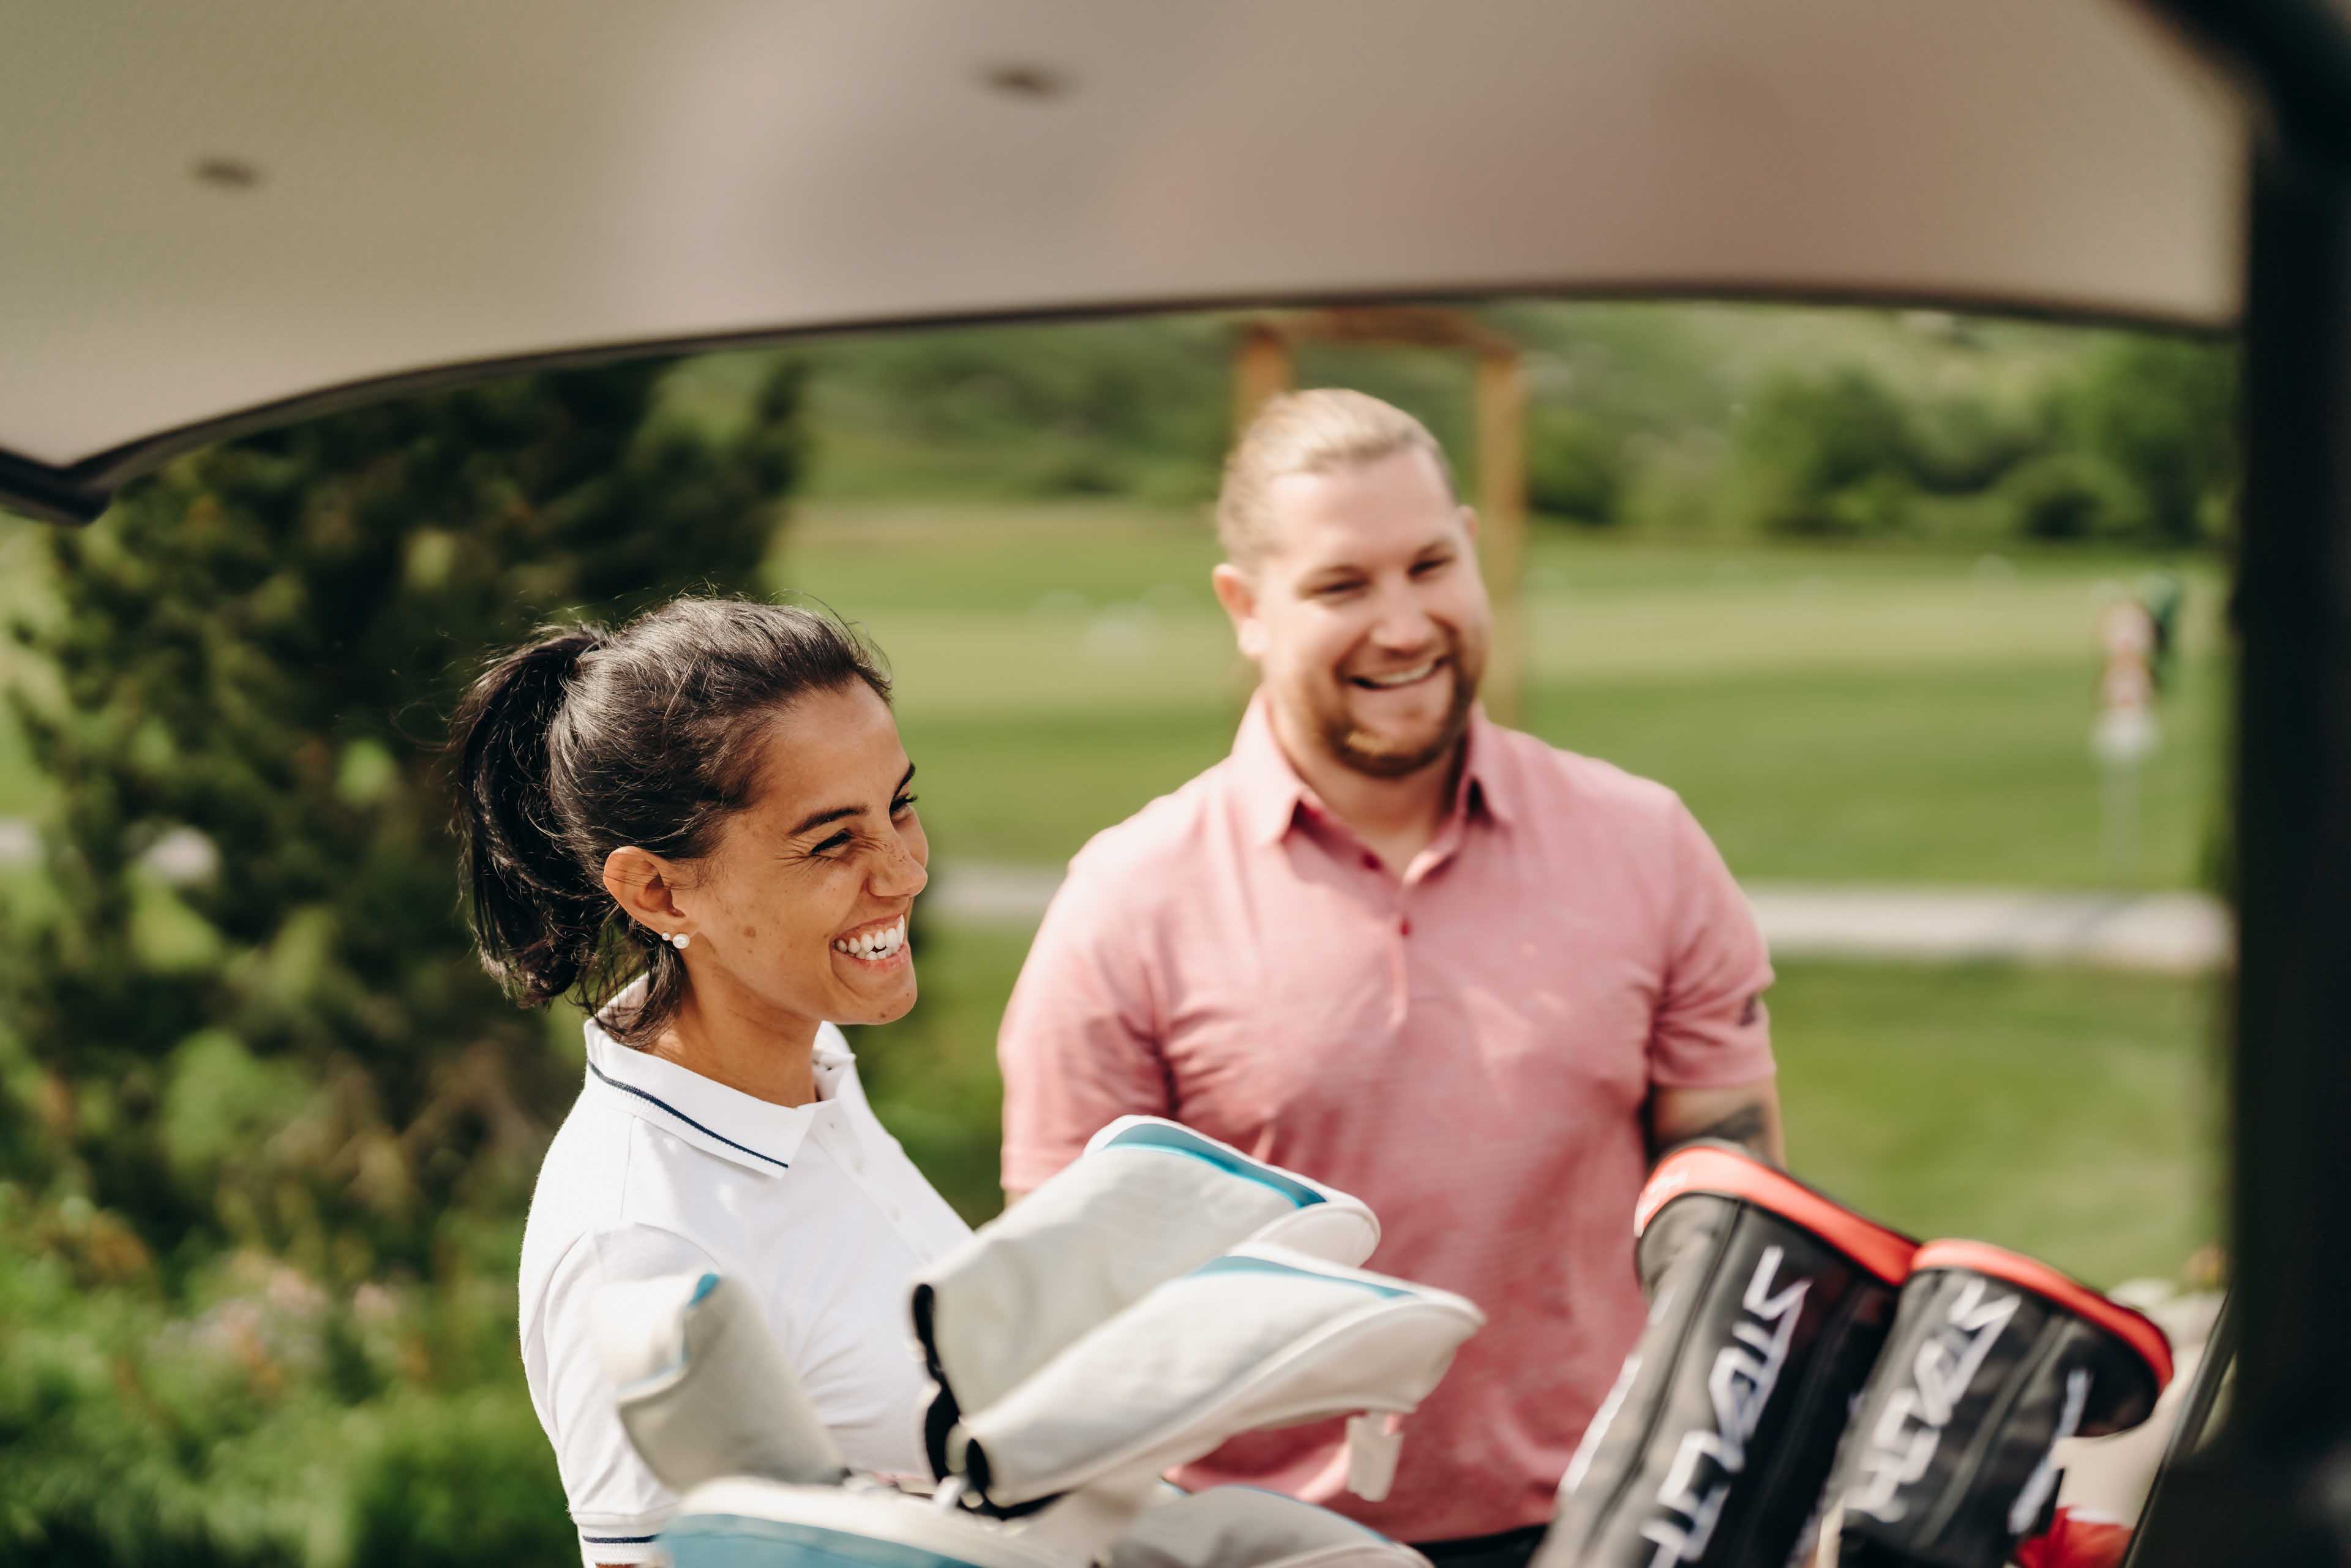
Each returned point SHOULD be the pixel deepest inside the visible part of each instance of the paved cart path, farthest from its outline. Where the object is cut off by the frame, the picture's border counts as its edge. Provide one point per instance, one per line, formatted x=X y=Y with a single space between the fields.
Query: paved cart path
x=2175 y=931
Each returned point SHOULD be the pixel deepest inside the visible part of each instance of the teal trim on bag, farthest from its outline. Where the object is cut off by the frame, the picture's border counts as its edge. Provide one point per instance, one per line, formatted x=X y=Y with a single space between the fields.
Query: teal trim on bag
x=1177 y=1141
x=1239 y=1265
x=735 y=1541
x=702 y=1288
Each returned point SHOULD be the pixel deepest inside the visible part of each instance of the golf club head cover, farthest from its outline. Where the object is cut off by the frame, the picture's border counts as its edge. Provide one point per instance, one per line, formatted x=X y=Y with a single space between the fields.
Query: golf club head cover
x=1263 y=1336
x=1147 y=1202
x=2077 y=1539
x=1995 y=1358
x=703 y=1390
x=1768 y=1303
x=1244 y=1527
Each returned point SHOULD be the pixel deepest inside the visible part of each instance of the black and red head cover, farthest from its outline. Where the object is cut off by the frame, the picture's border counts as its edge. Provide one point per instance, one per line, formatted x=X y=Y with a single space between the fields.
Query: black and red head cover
x=1768 y=1303
x=1994 y=1360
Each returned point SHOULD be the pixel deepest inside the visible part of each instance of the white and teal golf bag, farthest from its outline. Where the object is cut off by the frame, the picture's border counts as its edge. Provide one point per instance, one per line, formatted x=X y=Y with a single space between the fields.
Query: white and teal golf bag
x=1162 y=1295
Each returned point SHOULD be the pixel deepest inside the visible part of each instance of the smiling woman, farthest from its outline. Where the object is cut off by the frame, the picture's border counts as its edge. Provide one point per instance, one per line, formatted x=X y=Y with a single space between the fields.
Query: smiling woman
x=700 y=827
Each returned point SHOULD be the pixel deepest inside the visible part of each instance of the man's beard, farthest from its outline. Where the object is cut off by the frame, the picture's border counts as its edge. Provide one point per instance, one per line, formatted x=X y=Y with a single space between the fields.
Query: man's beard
x=1366 y=752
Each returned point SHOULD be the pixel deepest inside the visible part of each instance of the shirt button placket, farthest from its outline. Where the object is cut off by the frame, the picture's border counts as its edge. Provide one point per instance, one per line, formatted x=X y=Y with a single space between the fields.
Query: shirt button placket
x=1400 y=964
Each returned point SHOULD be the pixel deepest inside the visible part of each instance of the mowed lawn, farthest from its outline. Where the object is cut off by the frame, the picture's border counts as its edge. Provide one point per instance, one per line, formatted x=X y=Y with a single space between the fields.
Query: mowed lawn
x=2063 y=1112
x=1832 y=715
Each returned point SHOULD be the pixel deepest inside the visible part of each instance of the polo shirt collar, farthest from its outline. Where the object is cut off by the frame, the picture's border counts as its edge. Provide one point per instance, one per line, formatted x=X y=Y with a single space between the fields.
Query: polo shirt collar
x=1485 y=782
x=752 y=1132
x=1270 y=791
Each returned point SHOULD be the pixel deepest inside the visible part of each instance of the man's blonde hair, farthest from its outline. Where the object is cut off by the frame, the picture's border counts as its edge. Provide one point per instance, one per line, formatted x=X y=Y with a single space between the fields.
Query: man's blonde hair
x=1311 y=431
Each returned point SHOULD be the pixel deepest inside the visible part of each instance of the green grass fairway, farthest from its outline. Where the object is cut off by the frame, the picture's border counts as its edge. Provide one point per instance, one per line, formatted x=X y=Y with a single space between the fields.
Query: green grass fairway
x=2073 y=1114
x=2066 y=1114
x=1830 y=714
x=1960 y=773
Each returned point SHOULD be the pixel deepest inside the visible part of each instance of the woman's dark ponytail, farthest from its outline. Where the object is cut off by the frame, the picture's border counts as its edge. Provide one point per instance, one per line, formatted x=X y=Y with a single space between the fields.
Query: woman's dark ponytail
x=538 y=919
x=584 y=740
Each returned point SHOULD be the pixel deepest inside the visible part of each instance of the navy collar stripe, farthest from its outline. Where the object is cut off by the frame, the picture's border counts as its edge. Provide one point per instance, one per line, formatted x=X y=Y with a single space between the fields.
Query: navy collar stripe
x=656 y=1100
x=618 y=1540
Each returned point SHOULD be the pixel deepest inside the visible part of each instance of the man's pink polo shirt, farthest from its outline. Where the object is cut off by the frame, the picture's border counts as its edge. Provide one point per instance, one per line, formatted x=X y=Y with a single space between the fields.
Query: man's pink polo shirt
x=1466 y=1048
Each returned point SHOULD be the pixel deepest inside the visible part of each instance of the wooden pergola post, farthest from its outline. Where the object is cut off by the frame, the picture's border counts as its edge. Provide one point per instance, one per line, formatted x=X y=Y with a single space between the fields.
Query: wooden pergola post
x=1502 y=526
x=1264 y=364
x=1261 y=371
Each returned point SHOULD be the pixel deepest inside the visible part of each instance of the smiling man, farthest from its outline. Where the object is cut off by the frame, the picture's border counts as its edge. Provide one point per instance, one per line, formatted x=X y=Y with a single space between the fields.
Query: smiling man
x=1479 y=981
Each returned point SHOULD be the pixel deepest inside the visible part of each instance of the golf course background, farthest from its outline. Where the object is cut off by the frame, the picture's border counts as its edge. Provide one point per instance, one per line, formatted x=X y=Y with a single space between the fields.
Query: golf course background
x=1834 y=576
x=1916 y=717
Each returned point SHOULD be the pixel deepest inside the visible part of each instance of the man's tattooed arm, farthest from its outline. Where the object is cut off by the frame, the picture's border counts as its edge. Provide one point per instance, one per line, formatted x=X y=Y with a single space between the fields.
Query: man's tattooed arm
x=1747 y=1114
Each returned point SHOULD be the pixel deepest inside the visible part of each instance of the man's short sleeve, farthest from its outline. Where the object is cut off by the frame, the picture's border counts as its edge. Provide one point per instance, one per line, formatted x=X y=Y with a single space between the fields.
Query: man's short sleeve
x=1080 y=1042
x=1711 y=1028
x=616 y=1502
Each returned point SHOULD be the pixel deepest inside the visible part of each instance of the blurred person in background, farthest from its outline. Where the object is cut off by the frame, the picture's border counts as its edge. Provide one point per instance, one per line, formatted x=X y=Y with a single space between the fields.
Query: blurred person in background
x=1481 y=982
x=700 y=827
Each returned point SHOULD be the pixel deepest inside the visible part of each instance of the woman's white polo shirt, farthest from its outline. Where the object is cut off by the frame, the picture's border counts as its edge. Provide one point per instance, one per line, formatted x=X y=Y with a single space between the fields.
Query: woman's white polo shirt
x=659 y=1171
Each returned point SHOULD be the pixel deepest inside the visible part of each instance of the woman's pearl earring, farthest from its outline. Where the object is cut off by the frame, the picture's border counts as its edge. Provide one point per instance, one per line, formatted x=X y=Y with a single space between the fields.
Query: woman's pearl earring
x=678 y=939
